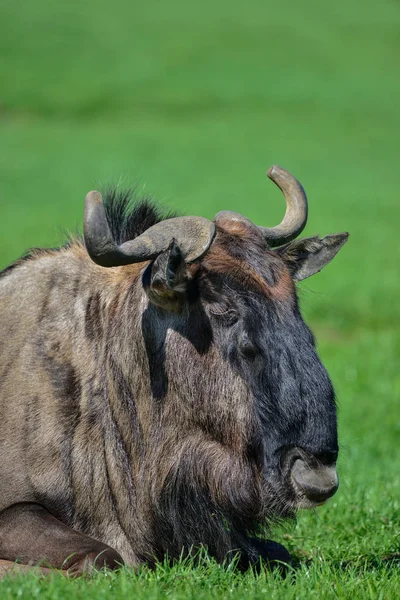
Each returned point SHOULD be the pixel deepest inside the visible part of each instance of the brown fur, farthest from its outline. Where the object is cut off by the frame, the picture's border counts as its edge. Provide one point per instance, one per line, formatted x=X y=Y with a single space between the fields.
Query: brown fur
x=86 y=450
x=120 y=416
x=220 y=259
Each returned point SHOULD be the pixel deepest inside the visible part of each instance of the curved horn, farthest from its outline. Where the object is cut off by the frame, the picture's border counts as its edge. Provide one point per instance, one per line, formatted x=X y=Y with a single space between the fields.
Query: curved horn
x=193 y=235
x=295 y=218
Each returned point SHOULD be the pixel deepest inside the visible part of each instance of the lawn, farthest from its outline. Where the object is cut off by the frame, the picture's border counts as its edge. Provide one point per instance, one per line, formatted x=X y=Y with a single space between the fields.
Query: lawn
x=193 y=102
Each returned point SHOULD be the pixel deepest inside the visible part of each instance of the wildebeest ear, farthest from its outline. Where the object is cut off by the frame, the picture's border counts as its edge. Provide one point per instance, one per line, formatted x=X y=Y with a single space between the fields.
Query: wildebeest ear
x=309 y=255
x=165 y=279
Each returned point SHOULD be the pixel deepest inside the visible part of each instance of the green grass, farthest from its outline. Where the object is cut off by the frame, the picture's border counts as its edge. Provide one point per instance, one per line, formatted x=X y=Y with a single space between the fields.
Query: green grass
x=194 y=101
x=374 y=580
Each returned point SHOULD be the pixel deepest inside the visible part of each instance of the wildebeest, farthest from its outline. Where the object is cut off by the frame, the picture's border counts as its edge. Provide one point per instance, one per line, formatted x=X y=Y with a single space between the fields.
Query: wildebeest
x=159 y=389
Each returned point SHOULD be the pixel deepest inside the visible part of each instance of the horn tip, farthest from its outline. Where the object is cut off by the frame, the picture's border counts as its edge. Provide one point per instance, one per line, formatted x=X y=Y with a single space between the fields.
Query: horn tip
x=275 y=171
x=94 y=197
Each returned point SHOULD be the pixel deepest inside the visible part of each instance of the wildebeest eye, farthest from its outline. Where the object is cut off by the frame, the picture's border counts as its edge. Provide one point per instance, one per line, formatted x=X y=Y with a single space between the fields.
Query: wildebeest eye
x=225 y=315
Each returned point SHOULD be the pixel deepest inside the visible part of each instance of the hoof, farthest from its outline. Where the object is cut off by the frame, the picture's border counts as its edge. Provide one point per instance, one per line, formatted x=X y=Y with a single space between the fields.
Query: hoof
x=86 y=563
x=276 y=554
x=269 y=553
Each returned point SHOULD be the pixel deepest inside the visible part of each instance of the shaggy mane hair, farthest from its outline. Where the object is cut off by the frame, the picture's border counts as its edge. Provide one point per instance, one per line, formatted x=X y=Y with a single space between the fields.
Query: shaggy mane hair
x=129 y=216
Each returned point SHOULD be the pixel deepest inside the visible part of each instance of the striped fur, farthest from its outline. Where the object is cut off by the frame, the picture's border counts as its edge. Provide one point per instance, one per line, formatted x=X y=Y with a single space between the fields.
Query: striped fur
x=142 y=427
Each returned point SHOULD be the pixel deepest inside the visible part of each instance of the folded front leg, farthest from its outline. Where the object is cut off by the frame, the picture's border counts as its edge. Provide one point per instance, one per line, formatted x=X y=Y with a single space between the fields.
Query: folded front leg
x=31 y=535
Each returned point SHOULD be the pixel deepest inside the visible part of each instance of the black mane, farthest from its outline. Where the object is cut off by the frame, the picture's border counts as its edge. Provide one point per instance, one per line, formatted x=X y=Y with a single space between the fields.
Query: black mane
x=129 y=216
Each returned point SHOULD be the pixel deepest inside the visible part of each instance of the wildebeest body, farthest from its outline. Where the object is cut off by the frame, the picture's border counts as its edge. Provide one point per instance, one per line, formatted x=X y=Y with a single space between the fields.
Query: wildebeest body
x=78 y=446
x=154 y=417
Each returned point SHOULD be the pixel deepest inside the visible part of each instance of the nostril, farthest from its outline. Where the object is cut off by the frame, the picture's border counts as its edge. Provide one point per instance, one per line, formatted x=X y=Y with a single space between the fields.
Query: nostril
x=318 y=495
x=318 y=484
x=289 y=457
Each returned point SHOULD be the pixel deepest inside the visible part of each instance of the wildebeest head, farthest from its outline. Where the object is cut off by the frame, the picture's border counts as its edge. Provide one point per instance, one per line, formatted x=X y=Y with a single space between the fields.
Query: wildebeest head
x=224 y=318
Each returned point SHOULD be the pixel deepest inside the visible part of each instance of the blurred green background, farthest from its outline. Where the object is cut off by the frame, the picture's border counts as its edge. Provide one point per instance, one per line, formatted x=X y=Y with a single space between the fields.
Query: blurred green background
x=193 y=102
